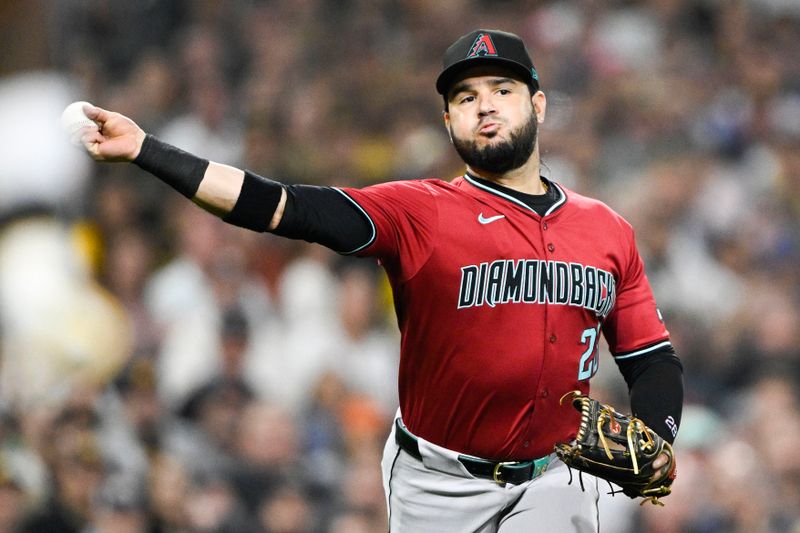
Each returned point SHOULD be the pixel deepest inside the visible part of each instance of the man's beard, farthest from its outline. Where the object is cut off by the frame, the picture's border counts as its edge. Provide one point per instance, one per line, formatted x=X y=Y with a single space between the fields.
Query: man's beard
x=500 y=157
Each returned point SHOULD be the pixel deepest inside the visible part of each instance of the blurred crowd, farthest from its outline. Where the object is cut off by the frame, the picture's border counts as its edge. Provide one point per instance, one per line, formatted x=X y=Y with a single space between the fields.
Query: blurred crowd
x=164 y=372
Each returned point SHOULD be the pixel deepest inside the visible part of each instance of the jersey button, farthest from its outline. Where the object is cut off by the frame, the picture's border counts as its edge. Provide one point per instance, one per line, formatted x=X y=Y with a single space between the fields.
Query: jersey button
x=544 y=225
x=551 y=247
x=526 y=444
x=553 y=338
x=545 y=393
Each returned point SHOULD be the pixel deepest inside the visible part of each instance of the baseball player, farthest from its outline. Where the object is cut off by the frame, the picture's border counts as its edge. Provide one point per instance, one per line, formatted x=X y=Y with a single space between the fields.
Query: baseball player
x=503 y=283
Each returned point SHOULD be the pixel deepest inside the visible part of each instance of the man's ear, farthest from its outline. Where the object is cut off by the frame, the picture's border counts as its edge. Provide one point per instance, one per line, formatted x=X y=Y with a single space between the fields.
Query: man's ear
x=539 y=101
x=446 y=118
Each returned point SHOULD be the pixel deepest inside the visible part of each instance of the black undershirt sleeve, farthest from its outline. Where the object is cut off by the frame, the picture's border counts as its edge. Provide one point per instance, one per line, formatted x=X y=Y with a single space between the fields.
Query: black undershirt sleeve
x=326 y=216
x=655 y=383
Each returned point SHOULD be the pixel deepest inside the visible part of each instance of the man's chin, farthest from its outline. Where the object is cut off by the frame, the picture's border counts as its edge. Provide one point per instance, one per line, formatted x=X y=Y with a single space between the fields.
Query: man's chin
x=490 y=139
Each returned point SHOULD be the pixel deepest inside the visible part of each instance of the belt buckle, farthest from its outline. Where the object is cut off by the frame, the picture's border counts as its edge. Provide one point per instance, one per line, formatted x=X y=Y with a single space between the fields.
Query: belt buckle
x=496 y=471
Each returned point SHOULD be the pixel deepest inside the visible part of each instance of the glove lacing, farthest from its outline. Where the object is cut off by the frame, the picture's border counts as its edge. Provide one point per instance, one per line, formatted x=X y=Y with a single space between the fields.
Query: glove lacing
x=635 y=425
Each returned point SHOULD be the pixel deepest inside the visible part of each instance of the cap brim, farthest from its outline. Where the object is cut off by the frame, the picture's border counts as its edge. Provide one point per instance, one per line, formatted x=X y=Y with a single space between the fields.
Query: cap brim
x=448 y=75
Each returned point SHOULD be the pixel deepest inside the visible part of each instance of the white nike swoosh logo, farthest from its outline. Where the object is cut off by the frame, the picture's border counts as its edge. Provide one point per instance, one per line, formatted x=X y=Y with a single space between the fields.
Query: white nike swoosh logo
x=484 y=220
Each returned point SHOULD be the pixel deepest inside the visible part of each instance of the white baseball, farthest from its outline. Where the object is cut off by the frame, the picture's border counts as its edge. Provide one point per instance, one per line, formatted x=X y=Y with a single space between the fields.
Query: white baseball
x=75 y=122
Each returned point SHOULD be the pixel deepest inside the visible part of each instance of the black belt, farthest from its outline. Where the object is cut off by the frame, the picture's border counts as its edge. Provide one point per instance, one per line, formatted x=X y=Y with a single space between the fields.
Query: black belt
x=515 y=472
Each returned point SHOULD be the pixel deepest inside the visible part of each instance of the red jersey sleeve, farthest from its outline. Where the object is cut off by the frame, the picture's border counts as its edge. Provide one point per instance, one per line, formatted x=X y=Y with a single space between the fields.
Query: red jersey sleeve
x=634 y=326
x=404 y=217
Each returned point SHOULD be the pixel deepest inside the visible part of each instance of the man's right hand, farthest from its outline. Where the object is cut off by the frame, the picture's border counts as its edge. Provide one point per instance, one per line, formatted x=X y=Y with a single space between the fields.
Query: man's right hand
x=118 y=138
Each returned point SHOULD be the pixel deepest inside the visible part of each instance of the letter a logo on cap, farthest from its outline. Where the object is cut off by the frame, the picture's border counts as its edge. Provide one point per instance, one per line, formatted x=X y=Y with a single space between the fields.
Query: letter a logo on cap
x=483 y=46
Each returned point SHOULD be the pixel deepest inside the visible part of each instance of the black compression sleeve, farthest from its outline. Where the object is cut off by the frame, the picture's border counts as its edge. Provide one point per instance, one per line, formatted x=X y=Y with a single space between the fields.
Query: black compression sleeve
x=655 y=382
x=257 y=202
x=181 y=170
x=326 y=216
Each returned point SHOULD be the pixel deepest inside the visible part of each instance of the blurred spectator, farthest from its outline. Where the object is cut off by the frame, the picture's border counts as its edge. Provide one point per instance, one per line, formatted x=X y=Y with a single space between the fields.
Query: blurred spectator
x=215 y=405
x=168 y=487
x=12 y=501
x=366 y=356
x=187 y=298
x=286 y=511
x=212 y=505
x=210 y=124
x=119 y=507
x=288 y=361
x=268 y=453
x=77 y=467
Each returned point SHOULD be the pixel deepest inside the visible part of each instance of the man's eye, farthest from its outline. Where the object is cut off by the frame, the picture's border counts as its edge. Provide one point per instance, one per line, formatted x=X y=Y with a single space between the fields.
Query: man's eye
x=504 y=91
x=467 y=99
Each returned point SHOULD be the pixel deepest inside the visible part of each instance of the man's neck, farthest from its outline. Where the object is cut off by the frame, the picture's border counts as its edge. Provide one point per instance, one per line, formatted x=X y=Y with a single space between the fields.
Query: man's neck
x=523 y=179
x=526 y=183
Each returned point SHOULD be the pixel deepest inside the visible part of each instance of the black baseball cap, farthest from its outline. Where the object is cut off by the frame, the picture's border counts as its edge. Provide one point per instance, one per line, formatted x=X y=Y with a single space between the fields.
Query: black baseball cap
x=492 y=47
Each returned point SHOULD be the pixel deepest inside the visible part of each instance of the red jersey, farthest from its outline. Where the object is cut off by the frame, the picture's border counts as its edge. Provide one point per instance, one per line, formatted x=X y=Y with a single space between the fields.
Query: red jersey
x=500 y=309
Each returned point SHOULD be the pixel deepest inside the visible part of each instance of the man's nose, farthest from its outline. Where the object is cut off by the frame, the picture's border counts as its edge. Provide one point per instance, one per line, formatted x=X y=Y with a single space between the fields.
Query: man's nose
x=486 y=105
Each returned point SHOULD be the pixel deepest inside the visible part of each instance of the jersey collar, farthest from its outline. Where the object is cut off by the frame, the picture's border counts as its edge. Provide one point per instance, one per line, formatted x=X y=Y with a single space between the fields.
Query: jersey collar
x=562 y=196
